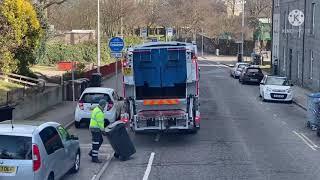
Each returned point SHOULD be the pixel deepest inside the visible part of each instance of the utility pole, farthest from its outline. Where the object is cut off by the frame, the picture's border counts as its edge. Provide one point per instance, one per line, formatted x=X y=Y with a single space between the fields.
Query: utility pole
x=98 y=36
x=242 y=30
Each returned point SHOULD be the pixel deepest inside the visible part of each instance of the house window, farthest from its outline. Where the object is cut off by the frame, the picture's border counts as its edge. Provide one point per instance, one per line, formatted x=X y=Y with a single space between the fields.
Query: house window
x=311 y=63
x=313 y=12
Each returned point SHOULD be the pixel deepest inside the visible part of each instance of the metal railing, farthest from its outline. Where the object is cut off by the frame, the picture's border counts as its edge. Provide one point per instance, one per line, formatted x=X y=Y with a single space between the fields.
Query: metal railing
x=31 y=86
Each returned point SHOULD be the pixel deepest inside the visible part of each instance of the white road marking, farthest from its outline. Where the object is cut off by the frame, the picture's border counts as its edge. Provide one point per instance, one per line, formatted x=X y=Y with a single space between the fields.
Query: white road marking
x=148 y=170
x=309 y=140
x=305 y=141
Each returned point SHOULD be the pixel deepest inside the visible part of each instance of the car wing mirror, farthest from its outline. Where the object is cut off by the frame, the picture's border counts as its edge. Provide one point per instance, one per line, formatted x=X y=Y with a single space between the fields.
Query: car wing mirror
x=120 y=99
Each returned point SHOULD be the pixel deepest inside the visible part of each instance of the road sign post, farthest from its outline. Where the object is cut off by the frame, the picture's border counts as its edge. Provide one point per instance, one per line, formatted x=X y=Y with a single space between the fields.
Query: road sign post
x=169 y=33
x=116 y=46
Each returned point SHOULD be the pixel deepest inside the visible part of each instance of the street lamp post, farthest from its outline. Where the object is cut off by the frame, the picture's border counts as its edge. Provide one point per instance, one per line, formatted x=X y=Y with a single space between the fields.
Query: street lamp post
x=98 y=36
x=242 y=30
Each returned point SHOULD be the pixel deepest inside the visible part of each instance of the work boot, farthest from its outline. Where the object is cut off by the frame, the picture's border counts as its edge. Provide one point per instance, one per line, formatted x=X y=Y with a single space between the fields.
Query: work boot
x=96 y=160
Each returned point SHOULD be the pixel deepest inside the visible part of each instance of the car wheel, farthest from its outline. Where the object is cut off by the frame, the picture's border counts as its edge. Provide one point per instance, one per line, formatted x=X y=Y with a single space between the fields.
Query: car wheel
x=77 y=124
x=51 y=176
x=318 y=133
x=263 y=99
x=76 y=164
x=308 y=124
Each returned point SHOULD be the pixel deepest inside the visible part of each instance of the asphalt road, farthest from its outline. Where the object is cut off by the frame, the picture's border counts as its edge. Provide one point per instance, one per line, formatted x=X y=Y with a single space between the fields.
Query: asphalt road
x=241 y=137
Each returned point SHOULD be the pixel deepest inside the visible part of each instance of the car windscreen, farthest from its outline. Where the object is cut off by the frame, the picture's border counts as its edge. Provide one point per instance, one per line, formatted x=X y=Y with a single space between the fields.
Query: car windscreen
x=253 y=70
x=277 y=81
x=94 y=98
x=242 y=66
x=15 y=147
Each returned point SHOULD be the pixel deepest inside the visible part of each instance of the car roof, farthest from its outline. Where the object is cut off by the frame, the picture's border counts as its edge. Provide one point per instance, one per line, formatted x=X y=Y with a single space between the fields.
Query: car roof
x=253 y=67
x=98 y=90
x=242 y=63
x=17 y=130
x=23 y=129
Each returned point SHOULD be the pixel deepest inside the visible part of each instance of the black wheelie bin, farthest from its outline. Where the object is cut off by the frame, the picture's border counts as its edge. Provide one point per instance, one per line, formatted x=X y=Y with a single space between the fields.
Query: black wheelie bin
x=120 y=140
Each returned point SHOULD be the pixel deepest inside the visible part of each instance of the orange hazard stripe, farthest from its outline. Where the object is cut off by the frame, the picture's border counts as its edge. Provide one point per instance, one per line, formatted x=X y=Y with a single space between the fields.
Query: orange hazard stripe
x=160 y=102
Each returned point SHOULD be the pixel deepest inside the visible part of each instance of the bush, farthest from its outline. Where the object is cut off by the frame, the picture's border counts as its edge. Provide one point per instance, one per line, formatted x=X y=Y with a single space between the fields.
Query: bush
x=84 y=52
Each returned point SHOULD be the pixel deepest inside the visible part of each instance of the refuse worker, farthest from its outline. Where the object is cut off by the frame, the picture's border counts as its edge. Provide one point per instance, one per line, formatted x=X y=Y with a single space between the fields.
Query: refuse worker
x=97 y=128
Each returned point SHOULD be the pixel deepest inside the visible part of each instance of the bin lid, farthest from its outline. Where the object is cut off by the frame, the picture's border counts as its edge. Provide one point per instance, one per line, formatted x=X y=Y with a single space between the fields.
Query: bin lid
x=111 y=126
x=314 y=95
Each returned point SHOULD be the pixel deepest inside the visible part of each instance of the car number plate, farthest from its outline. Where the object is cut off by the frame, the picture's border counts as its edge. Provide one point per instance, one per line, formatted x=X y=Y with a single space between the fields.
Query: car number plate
x=278 y=96
x=253 y=79
x=127 y=71
x=8 y=170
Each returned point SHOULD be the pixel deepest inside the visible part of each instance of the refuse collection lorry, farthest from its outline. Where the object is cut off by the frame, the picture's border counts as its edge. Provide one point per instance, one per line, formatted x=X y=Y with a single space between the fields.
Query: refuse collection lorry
x=161 y=87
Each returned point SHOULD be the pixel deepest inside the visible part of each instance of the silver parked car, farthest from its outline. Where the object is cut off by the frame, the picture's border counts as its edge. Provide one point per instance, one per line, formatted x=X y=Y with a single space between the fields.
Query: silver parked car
x=44 y=152
x=235 y=72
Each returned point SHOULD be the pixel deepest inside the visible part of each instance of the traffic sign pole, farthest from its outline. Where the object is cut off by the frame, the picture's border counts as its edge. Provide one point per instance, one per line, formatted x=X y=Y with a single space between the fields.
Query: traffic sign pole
x=116 y=46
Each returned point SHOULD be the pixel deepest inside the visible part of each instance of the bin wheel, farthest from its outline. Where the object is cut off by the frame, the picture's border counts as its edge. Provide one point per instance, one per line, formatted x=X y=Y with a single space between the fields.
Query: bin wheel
x=122 y=158
x=116 y=155
x=77 y=124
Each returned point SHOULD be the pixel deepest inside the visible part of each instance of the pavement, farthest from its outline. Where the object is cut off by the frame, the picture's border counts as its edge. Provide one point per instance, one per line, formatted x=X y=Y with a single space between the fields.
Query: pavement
x=241 y=137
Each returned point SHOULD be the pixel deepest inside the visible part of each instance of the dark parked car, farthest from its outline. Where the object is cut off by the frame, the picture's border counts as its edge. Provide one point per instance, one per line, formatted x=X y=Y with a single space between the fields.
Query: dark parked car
x=251 y=74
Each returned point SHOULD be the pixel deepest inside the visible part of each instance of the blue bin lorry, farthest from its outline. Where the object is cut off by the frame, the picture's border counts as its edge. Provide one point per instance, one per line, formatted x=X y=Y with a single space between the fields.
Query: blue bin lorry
x=161 y=87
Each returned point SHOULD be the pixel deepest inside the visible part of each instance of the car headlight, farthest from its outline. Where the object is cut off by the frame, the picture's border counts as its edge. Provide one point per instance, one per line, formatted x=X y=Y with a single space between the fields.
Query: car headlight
x=289 y=90
x=268 y=89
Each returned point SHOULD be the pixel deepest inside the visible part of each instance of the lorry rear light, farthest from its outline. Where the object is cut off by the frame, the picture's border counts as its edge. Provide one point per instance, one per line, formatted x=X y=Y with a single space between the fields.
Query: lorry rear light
x=110 y=106
x=36 y=157
x=81 y=105
x=161 y=102
x=197 y=119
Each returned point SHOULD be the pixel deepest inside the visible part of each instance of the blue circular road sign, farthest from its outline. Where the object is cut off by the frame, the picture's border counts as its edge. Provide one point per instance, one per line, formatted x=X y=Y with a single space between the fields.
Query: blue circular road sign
x=116 y=44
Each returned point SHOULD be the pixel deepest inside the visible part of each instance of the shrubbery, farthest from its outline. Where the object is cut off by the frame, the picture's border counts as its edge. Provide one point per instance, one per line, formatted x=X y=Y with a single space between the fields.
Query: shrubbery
x=84 y=52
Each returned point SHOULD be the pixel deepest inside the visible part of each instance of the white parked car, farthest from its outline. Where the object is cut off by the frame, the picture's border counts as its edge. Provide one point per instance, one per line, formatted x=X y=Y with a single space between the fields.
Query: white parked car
x=237 y=69
x=276 y=88
x=90 y=99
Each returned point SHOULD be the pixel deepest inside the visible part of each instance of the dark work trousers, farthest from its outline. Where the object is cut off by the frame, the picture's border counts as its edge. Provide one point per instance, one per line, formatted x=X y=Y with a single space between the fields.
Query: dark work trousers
x=97 y=140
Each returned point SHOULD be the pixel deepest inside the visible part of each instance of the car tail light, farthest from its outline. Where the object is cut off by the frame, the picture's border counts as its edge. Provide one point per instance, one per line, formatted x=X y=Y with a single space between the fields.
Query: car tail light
x=109 y=107
x=125 y=63
x=81 y=105
x=36 y=157
x=125 y=117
